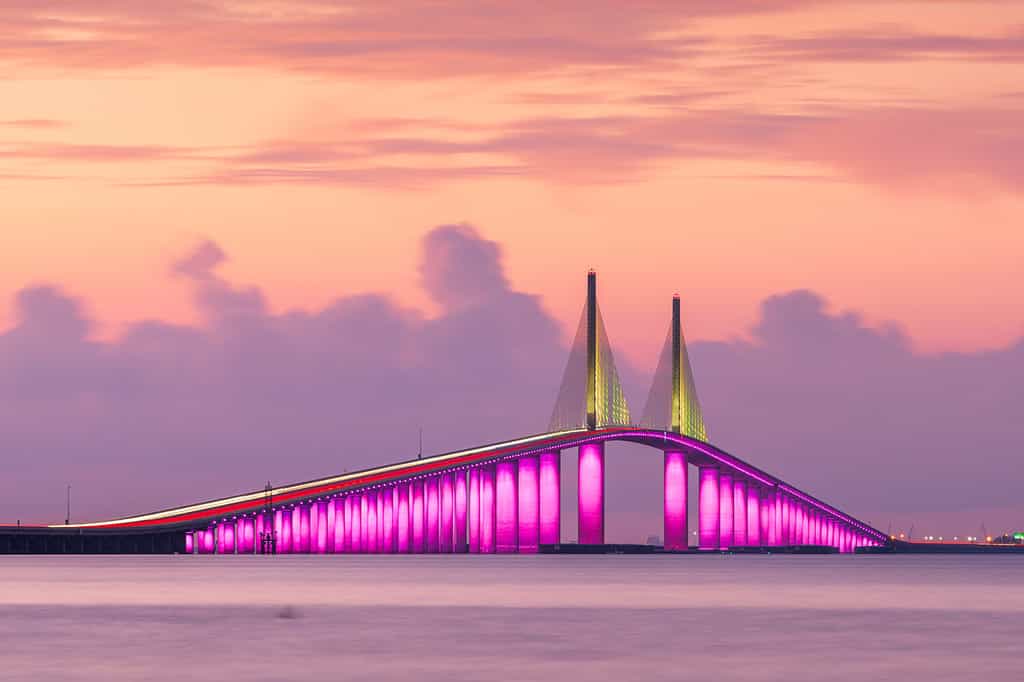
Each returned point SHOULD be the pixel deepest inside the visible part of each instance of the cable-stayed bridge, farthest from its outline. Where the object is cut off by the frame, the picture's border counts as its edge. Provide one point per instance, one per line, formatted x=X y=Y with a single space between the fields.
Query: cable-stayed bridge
x=503 y=497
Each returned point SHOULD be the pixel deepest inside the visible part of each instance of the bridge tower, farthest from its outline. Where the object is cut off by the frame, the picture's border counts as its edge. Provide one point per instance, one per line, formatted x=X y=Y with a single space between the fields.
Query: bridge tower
x=672 y=405
x=590 y=397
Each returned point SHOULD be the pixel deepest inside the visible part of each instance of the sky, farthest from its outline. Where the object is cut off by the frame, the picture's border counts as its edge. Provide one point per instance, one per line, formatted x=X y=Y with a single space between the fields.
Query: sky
x=258 y=240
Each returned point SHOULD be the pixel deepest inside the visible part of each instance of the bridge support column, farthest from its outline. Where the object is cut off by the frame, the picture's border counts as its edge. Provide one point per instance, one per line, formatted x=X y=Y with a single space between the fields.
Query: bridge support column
x=780 y=528
x=226 y=537
x=353 y=517
x=591 y=494
x=380 y=519
x=388 y=522
x=403 y=544
x=318 y=527
x=259 y=529
x=550 y=498
x=707 y=508
x=739 y=512
x=725 y=506
x=373 y=522
x=433 y=514
x=461 y=502
x=764 y=516
x=332 y=522
x=785 y=536
x=314 y=525
x=190 y=542
x=754 y=515
x=339 y=525
x=795 y=513
x=346 y=524
x=529 y=504
x=474 y=510
x=300 y=529
x=277 y=527
x=447 y=533
x=366 y=522
x=419 y=540
x=206 y=544
x=487 y=510
x=675 y=501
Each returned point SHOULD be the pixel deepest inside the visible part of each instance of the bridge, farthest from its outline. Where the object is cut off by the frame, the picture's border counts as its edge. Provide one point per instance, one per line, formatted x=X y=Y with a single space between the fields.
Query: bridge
x=502 y=497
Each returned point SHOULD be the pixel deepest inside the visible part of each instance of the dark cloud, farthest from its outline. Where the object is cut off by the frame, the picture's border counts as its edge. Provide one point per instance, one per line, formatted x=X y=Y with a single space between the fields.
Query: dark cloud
x=168 y=414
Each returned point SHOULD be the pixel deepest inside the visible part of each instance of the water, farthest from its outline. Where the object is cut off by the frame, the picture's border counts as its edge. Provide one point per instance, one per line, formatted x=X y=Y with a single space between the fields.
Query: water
x=512 y=618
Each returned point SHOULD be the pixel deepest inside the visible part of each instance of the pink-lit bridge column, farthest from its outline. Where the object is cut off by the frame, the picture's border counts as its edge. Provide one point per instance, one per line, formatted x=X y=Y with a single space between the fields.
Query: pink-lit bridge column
x=388 y=534
x=447 y=530
x=206 y=541
x=323 y=528
x=550 y=498
x=529 y=504
x=332 y=522
x=248 y=535
x=433 y=493
x=370 y=522
x=226 y=537
x=404 y=543
x=474 y=510
x=785 y=537
x=591 y=494
x=339 y=525
x=419 y=539
x=725 y=508
x=507 y=501
x=261 y=527
x=739 y=513
x=487 y=510
x=754 y=515
x=766 y=516
x=707 y=509
x=675 y=501
x=314 y=525
x=355 y=523
x=461 y=509
x=777 y=520
x=380 y=520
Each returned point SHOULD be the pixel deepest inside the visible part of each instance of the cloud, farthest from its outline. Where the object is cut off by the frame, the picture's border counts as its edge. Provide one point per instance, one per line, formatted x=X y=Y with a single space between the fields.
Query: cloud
x=35 y=123
x=169 y=414
x=890 y=147
x=399 y=39
x=888 y=44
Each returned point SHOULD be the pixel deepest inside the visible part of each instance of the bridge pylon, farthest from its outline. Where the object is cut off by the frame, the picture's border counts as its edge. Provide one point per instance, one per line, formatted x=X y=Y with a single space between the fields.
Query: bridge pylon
x=590 y=395
x=672 y=403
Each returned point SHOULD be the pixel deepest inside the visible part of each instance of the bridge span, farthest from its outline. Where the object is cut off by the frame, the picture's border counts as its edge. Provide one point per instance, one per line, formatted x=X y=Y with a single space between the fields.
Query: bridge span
x=503 y=497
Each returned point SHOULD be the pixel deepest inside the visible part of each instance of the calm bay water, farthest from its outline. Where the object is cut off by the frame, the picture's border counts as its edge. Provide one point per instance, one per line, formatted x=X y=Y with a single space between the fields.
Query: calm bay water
x=512 y=618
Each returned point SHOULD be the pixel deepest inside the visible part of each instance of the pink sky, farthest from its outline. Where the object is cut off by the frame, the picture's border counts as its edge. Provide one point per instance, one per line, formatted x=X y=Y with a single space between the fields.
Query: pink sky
x=723 y=149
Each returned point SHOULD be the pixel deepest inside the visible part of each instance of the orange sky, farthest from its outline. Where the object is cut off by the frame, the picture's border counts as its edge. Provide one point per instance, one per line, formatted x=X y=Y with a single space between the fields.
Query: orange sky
x=725 y=149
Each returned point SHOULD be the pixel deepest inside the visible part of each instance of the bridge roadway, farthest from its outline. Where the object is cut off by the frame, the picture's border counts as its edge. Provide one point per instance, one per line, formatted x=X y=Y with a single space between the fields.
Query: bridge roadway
x=510 y=503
